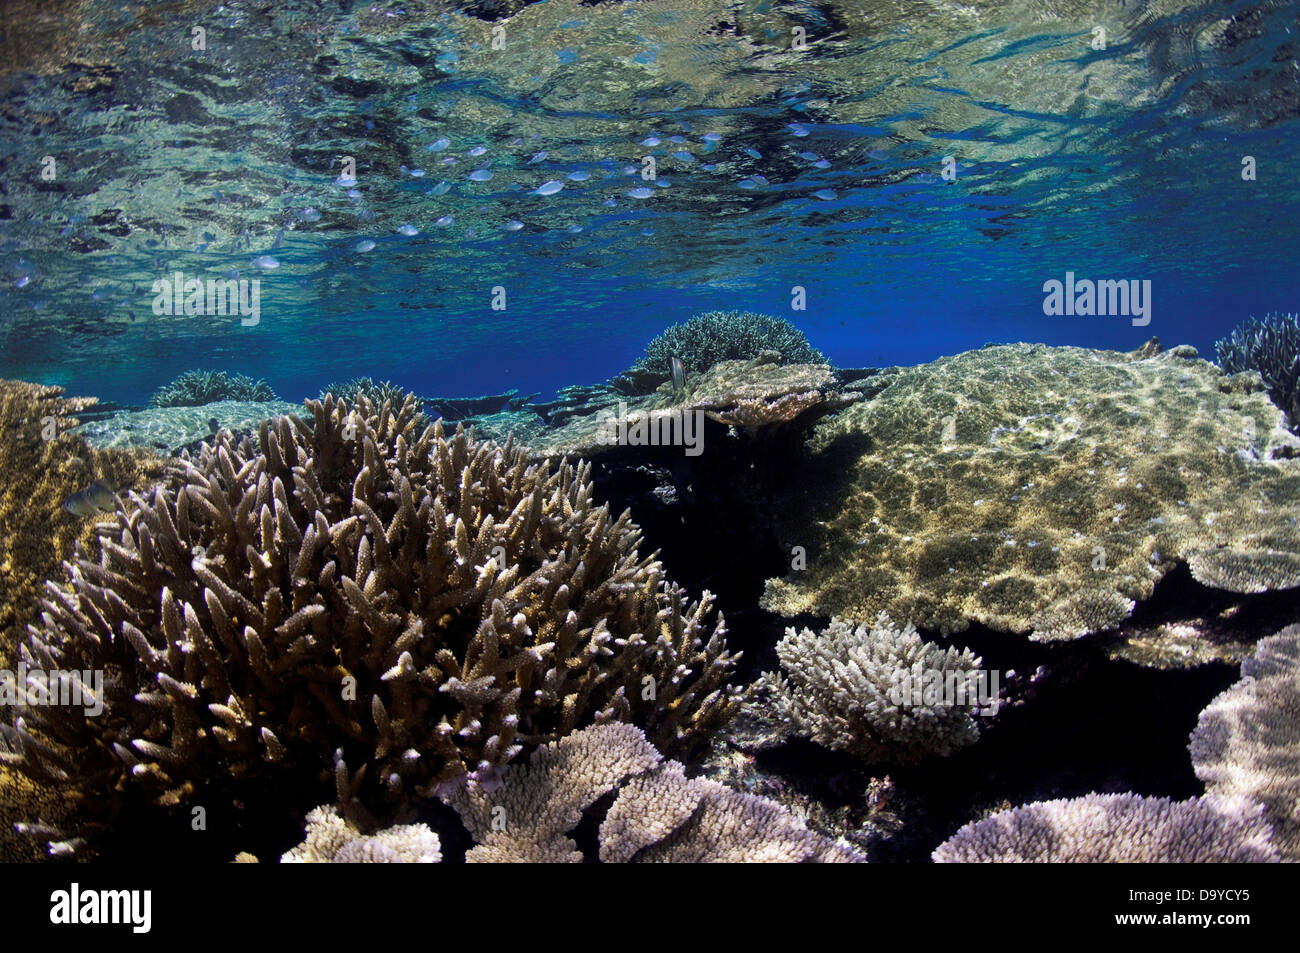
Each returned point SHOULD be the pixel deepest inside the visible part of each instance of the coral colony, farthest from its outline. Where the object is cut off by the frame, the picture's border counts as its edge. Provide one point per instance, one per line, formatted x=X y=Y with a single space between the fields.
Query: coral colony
x=640 y=490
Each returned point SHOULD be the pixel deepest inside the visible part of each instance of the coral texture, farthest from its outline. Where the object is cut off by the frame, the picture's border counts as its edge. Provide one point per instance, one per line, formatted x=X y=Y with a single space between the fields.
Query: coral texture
x=1116 y=828
x=332 y=840
x=375 y=391
x=658 y=815
x=422 y=605
x=203 y=387
x=1247 y=741
x=1270 y=347
x=717 y=336
x=842 y=688
x=1041 y=490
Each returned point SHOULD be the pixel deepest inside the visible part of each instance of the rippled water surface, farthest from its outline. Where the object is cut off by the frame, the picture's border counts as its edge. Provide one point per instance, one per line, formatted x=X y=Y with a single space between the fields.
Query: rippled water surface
x=499 y=152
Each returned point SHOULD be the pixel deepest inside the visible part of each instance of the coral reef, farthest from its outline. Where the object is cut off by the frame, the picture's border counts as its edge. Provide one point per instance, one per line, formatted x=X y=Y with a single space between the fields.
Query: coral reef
x=1270 y=347
x=347 y=589
x=172 y=430
x=1042 y=490
x=332 y=840
x=658 y=814
x=42 y=463
x=461 y=408
x=713 y=337
x=1116 y=828
x=197 y=387
x=1247 y=741
x=375 y=392
x=843 y=687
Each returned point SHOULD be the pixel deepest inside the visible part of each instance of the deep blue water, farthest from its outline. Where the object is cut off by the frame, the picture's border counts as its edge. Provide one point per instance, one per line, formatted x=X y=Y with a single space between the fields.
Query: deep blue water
x=1122 y=163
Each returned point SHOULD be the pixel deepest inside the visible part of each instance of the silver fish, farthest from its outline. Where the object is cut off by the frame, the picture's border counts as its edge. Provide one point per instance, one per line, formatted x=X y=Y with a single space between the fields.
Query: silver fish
x=679 y=374
x=93 y=500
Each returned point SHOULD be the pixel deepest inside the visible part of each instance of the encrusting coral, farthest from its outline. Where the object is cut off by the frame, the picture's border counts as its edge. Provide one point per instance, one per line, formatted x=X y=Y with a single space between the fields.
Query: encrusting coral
x=658 y=815
x=349 y=590
x=1247 y=741
x=864 y=691
x=1116 y=828
x=196 y=387
x=1270 y=347
x=716 y=336
x=1041 y=490
x=332 y=840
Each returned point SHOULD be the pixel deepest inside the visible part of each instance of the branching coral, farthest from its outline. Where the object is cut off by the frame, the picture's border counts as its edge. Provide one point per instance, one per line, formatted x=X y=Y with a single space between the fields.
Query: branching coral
x=1272 y=348
x=425 y=604
x=658 y=815
x=716 y=336
x=204 y=387
x=332 y=840
x=1247 y=741
x=375 y=392
x=843 y=687
x=1042 y=490
x=1116 y=828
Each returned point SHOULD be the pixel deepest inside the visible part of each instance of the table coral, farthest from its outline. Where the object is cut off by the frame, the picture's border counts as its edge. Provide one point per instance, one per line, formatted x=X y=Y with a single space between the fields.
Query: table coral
x=1042 y=490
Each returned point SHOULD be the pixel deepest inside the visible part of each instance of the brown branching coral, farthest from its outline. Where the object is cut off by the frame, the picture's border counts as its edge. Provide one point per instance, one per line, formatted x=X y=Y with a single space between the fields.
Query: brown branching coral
x=658 y=815
x=1116 y=828
x=41 y=465
x=424 y=605
x=1247 y=741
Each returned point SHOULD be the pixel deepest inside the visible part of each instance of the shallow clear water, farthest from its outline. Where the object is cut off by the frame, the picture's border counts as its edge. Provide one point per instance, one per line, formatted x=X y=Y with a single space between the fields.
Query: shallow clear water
x=775 y=167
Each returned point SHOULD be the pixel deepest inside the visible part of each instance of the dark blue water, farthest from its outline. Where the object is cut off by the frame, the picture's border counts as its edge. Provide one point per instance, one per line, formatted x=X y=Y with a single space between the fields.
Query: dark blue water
x=1115 y=163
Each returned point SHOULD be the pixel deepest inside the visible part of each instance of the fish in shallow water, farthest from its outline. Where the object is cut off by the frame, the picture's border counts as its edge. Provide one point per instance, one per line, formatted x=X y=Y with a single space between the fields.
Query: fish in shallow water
x=93 y=500
x=679 y=374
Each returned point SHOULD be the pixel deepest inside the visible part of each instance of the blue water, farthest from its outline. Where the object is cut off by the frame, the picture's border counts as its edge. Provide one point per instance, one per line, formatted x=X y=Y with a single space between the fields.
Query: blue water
x=1122 y=163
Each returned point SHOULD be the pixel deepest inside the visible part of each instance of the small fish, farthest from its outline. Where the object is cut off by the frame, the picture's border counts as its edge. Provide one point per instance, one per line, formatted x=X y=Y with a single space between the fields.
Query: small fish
x=548 y=188
x=809 y=156
x=309 y=215
x=93 y=500
x=266 y=262
x=651 y=141
x=574 y=229
x=477 y=151
x=437 y=145
x=480 y=175
x=679 y=374
x=711 y=136
x=683 y=157
x=513 y=225
x=826 y=195
x=410 y=231
x=797 y=129
x=442 y=188
x=364 y=246
x=582 y=175
x=641 y=192
x=677 y=139
x=353 y=193
x=822 y=164
x=445 y=221
x=279 y=239
x=213 y=425
x=345 y=181
x=537 y=158
x=752 y=153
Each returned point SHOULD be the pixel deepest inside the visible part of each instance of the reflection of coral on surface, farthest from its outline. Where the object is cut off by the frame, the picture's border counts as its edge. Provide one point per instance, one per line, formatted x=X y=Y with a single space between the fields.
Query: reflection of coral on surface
x=426 y=604
x=1042 y=490
x=659 y=815
x=838 y=686
x=1116 y=828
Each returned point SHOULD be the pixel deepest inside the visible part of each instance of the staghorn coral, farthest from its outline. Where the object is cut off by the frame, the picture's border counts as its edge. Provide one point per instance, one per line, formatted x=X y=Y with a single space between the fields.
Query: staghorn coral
x=375 y=392
x=196 y=387
x=1247 y=741
x=841 y=688
x=1116 y=828
x=717 y=336
x=422 y=605
x=658 y=815
x=332 y=840
x=1271 y=348
x=1041 y=490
